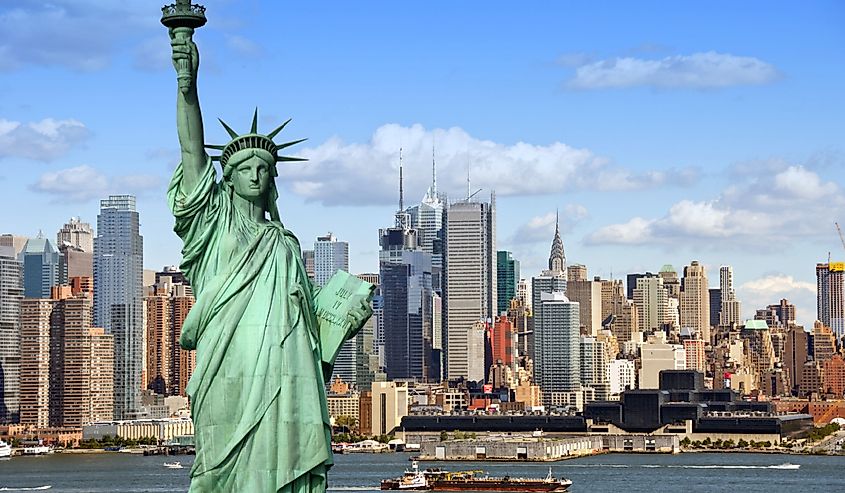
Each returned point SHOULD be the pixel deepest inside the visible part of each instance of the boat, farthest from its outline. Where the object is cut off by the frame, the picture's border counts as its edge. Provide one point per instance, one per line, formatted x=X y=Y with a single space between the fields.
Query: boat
x=439 y=480
x=37 y=450
x=5 y=450
x=173 y=465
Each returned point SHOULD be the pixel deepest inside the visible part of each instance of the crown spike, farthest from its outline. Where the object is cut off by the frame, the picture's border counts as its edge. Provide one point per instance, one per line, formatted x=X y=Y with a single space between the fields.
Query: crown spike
x=286 y=159
x=254 y=129
x=215 y=147
x=232 y=133
x=279 y=129
x=288 y=144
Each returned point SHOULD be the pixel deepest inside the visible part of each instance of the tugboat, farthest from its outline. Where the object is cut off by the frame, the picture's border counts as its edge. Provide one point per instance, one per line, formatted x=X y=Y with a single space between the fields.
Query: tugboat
x=439 y=480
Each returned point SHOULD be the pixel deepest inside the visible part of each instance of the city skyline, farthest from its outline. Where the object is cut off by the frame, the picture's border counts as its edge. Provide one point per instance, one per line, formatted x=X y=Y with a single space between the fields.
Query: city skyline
x=569 y=109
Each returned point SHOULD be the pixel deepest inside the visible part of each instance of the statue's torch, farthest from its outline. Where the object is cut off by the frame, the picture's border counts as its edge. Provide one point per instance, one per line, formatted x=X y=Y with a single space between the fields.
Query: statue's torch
x=183 y=18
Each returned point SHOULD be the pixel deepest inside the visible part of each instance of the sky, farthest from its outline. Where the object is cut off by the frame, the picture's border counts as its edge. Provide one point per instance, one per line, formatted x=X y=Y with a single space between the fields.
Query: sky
x=661 y=132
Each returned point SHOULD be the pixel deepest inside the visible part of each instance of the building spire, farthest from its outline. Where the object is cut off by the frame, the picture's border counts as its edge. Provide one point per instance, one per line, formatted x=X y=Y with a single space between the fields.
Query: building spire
x=401 y=191
x=557 y=258
x=468 y=182
x=433 y=172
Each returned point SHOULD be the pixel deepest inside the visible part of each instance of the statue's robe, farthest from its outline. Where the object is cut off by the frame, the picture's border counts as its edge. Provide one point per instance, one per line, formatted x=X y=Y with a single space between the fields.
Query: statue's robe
x=258 y=399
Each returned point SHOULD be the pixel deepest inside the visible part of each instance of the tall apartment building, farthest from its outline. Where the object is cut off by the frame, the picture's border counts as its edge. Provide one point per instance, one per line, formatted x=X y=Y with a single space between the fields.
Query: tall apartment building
x=168 y=366
x=503 y=341
x=695 y=301
x=552 y=280
x=824 y=342
x=588 y=295
x=731 y=309
x=594 y=363
x=557 y=361
x=43 y=267
x=11 y=294
x=330 y=256
x=470 y=285
x=830 y=292
x=759 y=348
x=507 y=277
x=795 y=354
x=652 y=302
x=119 y=295
x=68 y=365
x=36 y=322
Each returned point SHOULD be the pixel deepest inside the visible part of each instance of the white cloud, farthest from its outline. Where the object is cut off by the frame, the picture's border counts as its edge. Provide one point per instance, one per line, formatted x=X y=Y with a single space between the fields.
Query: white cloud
x=44 y=140
x=336 y=170
x=708 y=70
x=793 y=202
x=770 y=289
x=82 y=183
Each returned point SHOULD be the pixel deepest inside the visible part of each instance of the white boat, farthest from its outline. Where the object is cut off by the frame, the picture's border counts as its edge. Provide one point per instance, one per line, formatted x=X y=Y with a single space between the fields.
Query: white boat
x=173 y=465
x=5 y=450
x=37 y=450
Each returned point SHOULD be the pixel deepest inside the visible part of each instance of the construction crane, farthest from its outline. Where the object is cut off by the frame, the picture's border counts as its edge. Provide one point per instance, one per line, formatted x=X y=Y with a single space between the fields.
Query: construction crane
x=839 y=230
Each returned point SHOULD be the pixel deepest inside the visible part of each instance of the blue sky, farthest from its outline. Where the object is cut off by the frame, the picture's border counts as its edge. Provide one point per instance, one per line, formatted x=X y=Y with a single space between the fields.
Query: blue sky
x=663 y=133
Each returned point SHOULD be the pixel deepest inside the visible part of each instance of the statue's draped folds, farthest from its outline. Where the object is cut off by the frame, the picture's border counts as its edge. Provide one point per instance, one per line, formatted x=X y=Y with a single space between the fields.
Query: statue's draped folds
x=257 y=396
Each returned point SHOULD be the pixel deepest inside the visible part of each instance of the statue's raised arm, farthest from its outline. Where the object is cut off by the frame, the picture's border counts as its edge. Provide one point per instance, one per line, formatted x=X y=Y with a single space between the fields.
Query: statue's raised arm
x=188 y=115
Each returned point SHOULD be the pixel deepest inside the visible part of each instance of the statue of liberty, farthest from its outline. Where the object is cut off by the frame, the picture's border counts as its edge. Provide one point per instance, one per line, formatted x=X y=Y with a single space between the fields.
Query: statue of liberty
x=262 y=332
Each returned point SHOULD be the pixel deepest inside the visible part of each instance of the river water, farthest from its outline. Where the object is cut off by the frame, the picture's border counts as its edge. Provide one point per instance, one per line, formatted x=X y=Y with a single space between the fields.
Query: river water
x=687 y=473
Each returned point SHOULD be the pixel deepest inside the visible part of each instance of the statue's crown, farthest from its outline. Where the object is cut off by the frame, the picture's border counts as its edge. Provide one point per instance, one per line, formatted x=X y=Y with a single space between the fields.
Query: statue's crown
x=253 y=140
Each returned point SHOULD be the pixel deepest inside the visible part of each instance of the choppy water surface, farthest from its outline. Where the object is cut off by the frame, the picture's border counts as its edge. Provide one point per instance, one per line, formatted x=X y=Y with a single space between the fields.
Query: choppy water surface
x=741 y=473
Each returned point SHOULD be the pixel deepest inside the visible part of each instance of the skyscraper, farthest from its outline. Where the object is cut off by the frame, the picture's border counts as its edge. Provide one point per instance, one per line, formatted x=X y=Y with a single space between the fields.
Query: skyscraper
x=43 y=267
x=652 y=302
x=731 y=309
x=408 y=321
x=330 y=256
x=507 y=277
x=427 y=219
x=695 y=301
x=11 y=294
x=830 y=283
x=552 y=280
x=557 y=363
x=118 y=296
x=470 y=288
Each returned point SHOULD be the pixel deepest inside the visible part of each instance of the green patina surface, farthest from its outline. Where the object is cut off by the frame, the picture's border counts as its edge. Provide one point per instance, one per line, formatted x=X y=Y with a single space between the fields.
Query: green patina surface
x=265 y=337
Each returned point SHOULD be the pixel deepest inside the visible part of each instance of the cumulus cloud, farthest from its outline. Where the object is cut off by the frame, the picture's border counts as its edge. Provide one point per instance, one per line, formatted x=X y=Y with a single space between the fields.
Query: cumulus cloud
x=792 y=202
x=82 y=183
x=708 y=70
x=770 y=289
x=541 y=228
x=44 y=140
x=337 y=169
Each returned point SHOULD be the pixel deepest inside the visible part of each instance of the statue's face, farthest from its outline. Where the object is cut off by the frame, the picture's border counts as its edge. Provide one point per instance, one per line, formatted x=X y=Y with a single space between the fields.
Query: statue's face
x=251 y=179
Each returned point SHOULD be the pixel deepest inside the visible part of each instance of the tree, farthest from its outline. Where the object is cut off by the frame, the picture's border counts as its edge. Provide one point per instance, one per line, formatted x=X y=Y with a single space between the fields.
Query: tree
x=728 y=444
x=444 y=436
x=742 y=443
x=685 y=442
